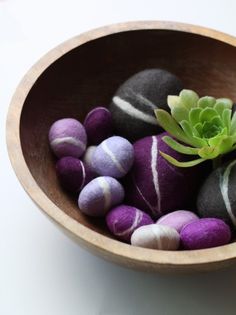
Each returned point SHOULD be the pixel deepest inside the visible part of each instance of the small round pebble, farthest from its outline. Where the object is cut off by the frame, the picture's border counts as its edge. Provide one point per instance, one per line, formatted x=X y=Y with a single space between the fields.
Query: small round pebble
x=205 y=233
x=98 y=125
x=88 y=157
x=67 y=137
x=100 y=195
x=178 y=219
x=72 y=173
x=123 y=220
x=156 y=236
x=113 y=157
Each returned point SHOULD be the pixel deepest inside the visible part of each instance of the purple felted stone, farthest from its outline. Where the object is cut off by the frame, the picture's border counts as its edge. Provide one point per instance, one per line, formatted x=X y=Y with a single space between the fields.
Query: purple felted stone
x=88 y=157
x=156 y=236
x=67 y=137
x=72 y=173
x=98 y=125
x=100 y=195
x=178 y=219
x=123 y=220
x=156 y=186
x=205 y=233
x=113 y=157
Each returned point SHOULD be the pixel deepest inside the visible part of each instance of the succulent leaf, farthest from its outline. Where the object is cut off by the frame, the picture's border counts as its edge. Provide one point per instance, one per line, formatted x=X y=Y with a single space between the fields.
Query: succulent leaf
x=181 y=164
x=205 y=125
x=179 y=147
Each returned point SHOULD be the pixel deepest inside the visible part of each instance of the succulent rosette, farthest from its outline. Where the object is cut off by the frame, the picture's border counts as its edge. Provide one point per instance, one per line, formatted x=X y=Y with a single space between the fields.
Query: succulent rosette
x=203 y=127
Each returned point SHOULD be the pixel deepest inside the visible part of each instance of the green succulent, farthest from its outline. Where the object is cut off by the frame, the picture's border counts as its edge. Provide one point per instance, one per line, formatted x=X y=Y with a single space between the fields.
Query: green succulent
x=205 y=127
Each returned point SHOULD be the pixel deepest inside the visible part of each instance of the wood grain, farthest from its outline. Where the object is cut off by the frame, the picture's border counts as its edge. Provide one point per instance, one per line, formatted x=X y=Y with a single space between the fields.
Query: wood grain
x=84 y=72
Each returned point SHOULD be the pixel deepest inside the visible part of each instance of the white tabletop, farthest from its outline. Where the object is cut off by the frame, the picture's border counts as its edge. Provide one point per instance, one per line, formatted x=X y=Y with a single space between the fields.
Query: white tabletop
x=42 y=272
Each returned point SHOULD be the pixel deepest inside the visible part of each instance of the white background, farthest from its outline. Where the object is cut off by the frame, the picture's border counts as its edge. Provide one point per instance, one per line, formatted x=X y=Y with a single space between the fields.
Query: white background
x=42 y=272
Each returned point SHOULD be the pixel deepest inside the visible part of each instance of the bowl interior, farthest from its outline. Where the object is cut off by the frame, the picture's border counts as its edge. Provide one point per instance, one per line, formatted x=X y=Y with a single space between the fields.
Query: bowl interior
x=89 y=75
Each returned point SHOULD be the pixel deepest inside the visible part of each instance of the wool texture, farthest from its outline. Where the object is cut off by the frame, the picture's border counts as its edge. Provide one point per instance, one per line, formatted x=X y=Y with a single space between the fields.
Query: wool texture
x=178 y=219
x=98 y=125
x=67 y=137
x=113 y=157
x=156 y=186
x=217 y=196
x=123 y=220
x=72 y=173
x=205 y=233
x=156 y=236
x=133 y=104
x=100 y=195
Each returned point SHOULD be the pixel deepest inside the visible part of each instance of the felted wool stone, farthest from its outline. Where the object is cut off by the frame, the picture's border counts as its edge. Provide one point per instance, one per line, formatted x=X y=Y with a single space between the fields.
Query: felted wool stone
x=88 y=157
x=178 y=219
x=217 y=196
x=72 y=173
x=100 y=195
x=205 y=233
x=113 y=157
x=156 y=186
x=67 y=137
x=156 y=236
x=123 y=220
x=98 y=125
x=133 y=104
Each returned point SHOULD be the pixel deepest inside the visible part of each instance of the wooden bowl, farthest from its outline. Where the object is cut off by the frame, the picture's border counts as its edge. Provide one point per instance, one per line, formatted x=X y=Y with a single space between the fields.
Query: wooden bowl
x=85 y=71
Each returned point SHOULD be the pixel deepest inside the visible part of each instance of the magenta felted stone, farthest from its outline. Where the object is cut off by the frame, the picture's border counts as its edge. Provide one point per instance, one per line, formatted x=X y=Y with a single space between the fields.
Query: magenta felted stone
x=123 y=220
x=72 y=173
x=100 y=195
x=113 y=157
x=67 y=137
x=205 y=233
x=98 y=125
x=156 y=186
x=178 y=219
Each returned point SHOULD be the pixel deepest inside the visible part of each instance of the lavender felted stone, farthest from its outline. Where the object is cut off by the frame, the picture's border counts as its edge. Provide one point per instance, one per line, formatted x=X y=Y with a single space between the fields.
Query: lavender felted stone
x=205 y=233
x=123 y=220
x=217 y=196
x=100 y=195
x=67 y=137
x=156 y=236
x=178 y=219
x=98 y=125
x=113 y=157
x=133 y=104
x=156 y=186
x=72 y=173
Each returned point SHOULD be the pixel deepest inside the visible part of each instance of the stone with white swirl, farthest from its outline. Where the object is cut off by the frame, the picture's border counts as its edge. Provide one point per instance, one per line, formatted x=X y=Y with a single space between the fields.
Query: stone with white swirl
x=217 y=196
x=123 y=220
x=156 y=186
x=67 y=137
x=133 y=104
x=113 y=157
x=100 y=195
x=156 y=236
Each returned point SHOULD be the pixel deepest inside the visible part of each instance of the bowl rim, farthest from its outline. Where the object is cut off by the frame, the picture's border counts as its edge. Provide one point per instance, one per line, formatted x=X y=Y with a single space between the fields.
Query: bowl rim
x=124 y=254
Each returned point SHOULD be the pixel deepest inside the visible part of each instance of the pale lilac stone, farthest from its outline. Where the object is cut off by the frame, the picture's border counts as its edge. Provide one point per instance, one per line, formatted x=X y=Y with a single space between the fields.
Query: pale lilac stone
x=113 y=157
x=178 y=219
x=100 y=195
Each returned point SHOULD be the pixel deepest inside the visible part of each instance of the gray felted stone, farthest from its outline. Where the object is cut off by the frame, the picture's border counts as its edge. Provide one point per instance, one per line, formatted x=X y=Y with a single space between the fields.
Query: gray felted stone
x=133 y=104
x=217 y=196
